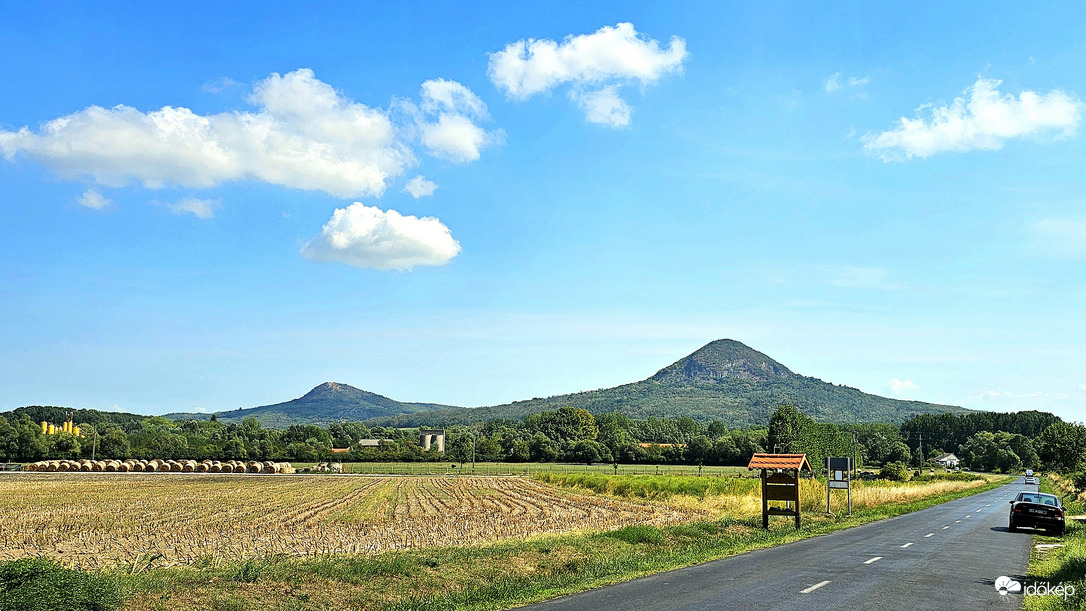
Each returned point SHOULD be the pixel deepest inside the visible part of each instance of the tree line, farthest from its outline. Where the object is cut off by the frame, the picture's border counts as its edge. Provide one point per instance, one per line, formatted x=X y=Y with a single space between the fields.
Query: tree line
x=982 y=440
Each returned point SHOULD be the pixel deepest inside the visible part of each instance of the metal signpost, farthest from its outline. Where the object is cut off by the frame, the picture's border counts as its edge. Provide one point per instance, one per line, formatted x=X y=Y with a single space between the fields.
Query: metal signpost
x=839 y=476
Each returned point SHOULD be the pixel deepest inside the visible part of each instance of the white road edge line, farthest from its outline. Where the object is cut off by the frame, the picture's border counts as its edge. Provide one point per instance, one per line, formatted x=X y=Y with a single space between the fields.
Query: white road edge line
x=814 y=587
x=928 y=535
x=907 y=544
x=875 y=559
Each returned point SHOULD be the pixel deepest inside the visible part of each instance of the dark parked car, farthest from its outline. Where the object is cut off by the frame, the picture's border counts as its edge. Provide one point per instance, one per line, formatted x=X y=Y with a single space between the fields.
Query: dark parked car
x=1037 y=510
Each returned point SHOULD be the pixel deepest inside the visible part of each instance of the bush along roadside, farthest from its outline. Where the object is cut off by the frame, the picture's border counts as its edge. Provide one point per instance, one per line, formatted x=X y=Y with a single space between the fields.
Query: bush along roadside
x=1064 y=565
x=39 y=584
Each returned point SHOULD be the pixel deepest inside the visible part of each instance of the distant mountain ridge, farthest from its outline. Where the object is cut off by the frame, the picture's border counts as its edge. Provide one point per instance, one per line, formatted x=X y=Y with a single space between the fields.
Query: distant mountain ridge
x=724 y=380
x=327 y=403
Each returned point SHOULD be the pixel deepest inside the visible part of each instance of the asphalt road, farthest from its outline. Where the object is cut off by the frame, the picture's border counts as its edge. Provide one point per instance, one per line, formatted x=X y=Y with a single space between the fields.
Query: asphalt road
x=942 y=558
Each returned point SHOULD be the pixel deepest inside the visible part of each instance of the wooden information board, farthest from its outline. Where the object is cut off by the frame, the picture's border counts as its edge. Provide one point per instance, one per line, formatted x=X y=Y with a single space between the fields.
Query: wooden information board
x=780 y=482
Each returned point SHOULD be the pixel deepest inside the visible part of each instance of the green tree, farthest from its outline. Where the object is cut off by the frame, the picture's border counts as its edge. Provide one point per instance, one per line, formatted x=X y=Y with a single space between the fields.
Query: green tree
x=113 y=443
x=1062 y=447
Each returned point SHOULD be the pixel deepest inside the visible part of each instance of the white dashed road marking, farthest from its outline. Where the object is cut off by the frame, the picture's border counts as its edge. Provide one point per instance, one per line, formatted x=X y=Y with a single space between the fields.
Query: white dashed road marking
x=814 y=587
x=906 y=545
x=928 y=535
x=875 y=559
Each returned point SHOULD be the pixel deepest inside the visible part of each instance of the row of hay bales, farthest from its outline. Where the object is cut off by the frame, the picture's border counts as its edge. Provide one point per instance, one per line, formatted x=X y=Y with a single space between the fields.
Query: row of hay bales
x=161 y=466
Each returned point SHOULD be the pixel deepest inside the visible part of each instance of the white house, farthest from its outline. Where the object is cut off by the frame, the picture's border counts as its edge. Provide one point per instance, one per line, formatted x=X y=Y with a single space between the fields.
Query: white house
x=949 y=461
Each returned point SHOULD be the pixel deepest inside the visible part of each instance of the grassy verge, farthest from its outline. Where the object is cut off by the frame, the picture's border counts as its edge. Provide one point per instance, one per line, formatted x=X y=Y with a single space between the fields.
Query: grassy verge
x=1060 y=565
x=497 y=576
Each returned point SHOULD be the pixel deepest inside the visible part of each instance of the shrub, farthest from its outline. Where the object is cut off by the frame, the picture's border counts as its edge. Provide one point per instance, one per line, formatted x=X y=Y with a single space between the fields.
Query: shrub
x=39 y=584
x=895 y=471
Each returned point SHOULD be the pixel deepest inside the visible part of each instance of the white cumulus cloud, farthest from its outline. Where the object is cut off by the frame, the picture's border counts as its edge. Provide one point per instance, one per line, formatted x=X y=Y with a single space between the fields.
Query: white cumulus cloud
x=303 y=134
x=591 y=64
x=419 y=186
x=983 y=119
x=93 y=199
x=901 y=387
x=203 y=209
x=365 y=236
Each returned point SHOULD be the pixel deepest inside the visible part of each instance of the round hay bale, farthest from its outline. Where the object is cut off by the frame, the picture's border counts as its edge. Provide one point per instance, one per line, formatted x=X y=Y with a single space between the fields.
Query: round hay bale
x=124 y=467
x=188 y=466
x=135 y=467
x=111 y=466
x=151 y=465
x=164 y=467
x=203 y=467
x=254 y=467
x=216 y=467
x=86 y=466
x=267 y=468
x=98 y=466
x=176 y=467
x=62 y=466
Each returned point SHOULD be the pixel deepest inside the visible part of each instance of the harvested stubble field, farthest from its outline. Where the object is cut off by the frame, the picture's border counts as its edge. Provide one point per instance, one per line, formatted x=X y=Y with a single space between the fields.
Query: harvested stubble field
x=106 y=521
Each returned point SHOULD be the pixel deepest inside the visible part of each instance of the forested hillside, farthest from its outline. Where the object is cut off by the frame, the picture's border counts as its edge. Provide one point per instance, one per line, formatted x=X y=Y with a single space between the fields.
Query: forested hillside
x=725 y=380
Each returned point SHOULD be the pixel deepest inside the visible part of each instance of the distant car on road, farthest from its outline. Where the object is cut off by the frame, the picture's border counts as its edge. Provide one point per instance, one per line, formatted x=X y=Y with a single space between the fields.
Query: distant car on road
x=1037 y=510
x=1029 y=471
x=1031 y=481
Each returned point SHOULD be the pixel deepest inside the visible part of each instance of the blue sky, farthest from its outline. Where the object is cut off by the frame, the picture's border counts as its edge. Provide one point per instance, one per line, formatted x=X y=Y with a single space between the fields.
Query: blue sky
x=549 y=199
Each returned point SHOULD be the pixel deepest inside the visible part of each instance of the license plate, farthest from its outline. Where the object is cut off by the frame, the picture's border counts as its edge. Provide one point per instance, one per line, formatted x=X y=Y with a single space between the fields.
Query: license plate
x=1042 y=511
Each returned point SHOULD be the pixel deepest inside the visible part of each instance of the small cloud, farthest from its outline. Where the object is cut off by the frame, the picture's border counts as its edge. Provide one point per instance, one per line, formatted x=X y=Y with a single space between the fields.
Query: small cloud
x=202 y=209
x=117 y=408
x=446 y=121
x=94 y=200
x=983 y=119
x=834 y=82
x=365 y=236
x=601 y=62
x=219 y=85
x=1061 y=238
x=419 y=186
x=831 y=84
x=200 y=410
x=901 y=387
x=603 y=106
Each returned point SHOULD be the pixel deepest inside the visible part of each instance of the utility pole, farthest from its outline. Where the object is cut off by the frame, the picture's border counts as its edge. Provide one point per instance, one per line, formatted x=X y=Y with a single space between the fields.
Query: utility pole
x=94 y=444
x=920 y=450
